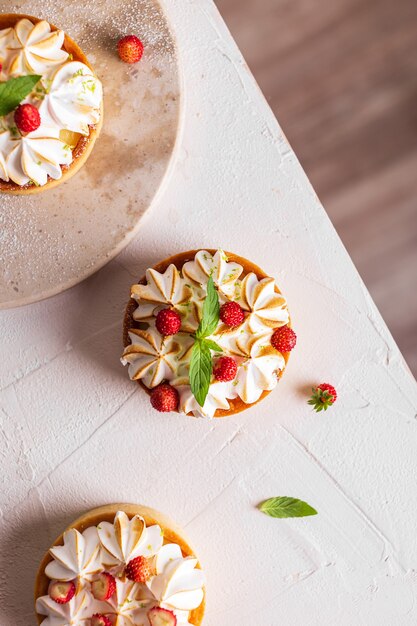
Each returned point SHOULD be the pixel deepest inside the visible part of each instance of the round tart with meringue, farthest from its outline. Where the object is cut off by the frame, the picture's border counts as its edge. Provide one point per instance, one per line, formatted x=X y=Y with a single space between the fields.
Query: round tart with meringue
x=120 y=565
x=206 y=333
x=51 y=105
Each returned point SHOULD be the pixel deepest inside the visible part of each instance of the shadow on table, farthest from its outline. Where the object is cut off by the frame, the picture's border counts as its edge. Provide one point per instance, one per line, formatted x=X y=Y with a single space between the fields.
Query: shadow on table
x=21 y=551
x=97 y=321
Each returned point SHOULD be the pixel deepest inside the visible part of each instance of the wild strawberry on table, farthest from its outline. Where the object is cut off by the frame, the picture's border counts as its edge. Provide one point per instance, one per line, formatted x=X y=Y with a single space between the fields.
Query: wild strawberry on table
x=323 y=396
x=130 y=49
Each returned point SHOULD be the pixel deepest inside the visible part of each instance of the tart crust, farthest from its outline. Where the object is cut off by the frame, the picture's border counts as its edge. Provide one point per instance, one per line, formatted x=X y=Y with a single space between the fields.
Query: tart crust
x=236 y=404
x=172 y=534
x=85 y=144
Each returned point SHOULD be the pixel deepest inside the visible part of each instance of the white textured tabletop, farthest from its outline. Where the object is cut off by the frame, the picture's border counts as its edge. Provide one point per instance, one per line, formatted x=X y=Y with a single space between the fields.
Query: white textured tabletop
x=76 y=433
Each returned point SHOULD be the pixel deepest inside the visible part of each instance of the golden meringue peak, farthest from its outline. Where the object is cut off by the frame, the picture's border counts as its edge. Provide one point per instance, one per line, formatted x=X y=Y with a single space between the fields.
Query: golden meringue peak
x=218 y=397
x=36 y=156
x=162 y=290
x=265 y=306
x=73 y=99
x=154 y=358
x=126 y=539
x=6 y=36
x=178 y=582
x=74 y=613
x=225 y=273
x=79 y=557
x=259 y=366
x=34 y=49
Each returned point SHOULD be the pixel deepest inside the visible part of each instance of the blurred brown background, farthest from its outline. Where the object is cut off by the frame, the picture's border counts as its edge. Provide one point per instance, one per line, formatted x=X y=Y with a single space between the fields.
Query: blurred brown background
x=342 y=79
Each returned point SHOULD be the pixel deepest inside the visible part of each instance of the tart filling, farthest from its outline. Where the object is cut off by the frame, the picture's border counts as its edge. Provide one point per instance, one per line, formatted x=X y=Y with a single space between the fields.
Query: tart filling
x=173 y=583
x=154 y=359
x=68 y=97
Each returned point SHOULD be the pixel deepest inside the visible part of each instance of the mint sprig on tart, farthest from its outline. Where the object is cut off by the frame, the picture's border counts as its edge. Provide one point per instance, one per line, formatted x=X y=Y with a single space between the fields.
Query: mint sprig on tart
x=14 y=90
x=201 y=365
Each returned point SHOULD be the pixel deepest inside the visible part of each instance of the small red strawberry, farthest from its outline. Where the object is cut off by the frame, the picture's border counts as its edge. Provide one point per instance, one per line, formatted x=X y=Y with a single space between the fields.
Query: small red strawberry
x=61 y=592
x=161 y=617
x=138 y=569
x=165 y=398
x=232 y=314
x=323 y=396
x=168 y=322
x=225 y=369
x=284 y=339
x=27 y=118
x=100 y=620
x=103 y=587
x=130 y=49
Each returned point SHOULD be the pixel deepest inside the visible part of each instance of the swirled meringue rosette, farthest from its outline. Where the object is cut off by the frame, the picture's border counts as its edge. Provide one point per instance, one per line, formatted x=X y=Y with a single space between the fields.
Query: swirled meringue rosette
x=33 y=48
x=104 y=542
x=247 y=361
x=68 y=98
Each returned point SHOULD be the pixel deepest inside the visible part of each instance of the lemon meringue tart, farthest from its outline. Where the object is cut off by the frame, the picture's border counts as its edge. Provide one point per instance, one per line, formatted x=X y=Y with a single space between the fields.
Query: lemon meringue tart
x=120 y=564
x=206 y=333
x=64 y=106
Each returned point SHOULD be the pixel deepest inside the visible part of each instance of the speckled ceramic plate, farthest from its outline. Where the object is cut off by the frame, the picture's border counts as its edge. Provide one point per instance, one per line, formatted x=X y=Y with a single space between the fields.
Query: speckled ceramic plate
x=53 y=240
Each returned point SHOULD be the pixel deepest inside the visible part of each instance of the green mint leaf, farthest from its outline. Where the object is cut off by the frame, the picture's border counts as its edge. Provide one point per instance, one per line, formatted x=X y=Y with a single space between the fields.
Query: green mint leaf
x=14 y=90
x=201 y=366
x=213 y=345
x=211 y=312
x=286 y=507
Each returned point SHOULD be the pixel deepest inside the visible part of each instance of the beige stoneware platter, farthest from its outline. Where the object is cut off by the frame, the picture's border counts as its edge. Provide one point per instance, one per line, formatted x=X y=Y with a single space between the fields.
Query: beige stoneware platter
x=52 y=240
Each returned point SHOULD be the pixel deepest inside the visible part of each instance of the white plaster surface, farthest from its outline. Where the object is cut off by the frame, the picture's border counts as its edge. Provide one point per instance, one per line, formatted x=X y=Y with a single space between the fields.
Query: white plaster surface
x=75 y=433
